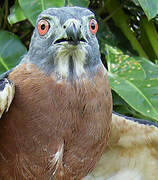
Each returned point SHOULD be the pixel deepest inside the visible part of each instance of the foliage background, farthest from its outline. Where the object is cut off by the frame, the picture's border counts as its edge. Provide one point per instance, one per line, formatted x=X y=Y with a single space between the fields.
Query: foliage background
x=128 y=43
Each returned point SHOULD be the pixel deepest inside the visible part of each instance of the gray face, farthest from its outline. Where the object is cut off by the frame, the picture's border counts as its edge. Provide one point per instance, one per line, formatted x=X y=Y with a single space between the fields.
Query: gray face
x=69 y=47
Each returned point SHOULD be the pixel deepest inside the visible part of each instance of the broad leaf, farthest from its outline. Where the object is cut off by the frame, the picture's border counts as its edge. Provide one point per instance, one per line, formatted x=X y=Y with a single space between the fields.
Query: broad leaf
x=32 y=8
x=112 y=36
x=16 y=14
x=11 y=49
x=135 y=80
x=81 y=3
x=150 y=7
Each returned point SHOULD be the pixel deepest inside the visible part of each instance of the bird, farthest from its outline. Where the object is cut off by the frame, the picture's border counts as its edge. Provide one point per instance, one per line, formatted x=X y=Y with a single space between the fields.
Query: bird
x=131 y=151
x=58 y=119
x=125 y=157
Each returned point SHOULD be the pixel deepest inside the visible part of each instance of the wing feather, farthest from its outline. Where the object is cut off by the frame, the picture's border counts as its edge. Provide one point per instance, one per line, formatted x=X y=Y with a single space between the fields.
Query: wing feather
x=7 y=90
x=131 y=153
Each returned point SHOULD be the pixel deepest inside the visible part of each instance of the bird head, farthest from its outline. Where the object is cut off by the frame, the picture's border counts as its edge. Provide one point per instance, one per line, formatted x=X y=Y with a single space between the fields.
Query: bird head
x=64 y=42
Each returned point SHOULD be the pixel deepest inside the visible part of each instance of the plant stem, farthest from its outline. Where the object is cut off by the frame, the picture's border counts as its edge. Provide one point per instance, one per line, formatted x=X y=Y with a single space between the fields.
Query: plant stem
x=151 y=34
x=43 y=4
x=5 y=14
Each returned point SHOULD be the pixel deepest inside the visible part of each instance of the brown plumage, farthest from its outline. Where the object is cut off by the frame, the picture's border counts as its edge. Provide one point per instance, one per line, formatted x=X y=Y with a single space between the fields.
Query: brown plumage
x=56 y=128
x=46 y=116
x=131 y=151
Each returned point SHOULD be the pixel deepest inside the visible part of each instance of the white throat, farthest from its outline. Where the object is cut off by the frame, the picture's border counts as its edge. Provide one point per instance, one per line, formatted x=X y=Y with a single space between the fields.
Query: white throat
x=62 y=62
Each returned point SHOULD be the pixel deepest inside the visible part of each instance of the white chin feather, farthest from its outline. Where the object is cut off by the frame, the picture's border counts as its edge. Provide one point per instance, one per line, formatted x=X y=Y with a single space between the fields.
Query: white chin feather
x=78 y=54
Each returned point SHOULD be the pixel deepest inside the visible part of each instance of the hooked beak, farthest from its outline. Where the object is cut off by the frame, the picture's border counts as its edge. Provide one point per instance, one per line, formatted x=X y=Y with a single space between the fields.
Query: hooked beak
x=73 y=35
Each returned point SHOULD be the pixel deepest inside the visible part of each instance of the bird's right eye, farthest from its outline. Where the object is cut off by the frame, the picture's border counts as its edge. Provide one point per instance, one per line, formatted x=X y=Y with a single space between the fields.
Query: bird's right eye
x=43 y=27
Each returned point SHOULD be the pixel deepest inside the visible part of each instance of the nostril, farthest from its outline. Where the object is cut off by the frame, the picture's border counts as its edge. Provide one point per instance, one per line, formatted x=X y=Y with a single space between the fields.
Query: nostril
x=71 y=39
x=64 y=27
x=80 y=26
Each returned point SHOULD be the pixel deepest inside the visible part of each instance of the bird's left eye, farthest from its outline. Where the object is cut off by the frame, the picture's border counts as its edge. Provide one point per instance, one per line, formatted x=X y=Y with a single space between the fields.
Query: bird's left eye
x=93 y=26
x=43 y=27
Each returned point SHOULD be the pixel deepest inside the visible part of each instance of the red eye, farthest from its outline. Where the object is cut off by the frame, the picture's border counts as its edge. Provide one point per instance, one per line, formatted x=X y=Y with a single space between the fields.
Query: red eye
x=43 y=27
x=93 y=26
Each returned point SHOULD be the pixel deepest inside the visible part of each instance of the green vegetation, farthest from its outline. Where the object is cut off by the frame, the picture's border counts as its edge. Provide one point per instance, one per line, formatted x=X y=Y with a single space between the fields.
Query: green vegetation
x=128 y=40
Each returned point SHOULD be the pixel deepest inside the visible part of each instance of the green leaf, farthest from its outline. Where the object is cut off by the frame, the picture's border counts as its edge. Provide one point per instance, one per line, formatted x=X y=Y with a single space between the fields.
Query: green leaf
x=121 y=20
x=16 y=14
x=32 y=8
x=135 y=80
x=150 y=7
x=81 y=3
x=113 y=36
x=11 y=49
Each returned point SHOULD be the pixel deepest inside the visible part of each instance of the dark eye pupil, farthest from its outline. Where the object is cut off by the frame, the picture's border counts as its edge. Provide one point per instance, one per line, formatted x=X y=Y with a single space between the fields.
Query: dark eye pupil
x=93 y=26
x=43 y=26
